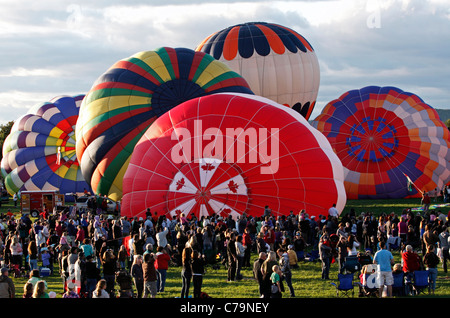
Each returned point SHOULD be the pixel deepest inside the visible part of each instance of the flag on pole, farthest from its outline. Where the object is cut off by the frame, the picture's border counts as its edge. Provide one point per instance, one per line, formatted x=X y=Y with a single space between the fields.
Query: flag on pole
x=410 y=184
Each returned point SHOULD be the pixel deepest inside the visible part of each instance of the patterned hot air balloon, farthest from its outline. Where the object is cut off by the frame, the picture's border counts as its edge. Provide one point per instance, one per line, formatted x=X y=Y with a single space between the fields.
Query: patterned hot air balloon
x=277 y=62
x=386 y=139
x=231 y=154
x=130 y=96
x=39 y=153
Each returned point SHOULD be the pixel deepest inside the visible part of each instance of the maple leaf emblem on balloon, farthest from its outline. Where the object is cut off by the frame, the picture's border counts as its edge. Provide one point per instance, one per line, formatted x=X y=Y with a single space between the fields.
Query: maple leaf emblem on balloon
x=233 y=186
x=235 y=154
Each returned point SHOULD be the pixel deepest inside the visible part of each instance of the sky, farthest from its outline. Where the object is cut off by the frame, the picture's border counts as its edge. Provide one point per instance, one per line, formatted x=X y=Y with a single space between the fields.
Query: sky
x=55 y=47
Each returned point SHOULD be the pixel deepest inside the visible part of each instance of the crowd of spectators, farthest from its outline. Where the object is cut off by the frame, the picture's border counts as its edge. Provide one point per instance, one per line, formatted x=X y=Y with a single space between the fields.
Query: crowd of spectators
x=99 y=255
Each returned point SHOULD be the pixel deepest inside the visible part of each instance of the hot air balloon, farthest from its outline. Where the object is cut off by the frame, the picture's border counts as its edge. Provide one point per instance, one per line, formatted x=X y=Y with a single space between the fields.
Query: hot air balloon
x=391 y=143
x=231 y=154
x=39 y=153
x=277 y=62
x=130 y=96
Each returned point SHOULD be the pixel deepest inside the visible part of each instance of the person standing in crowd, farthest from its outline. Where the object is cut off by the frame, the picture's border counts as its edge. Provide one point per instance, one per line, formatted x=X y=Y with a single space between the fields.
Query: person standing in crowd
x=384 y=259
x=138 y=275
x=444 y=245
x=232 y=257
x=426 y=200
x=161 y=237
x=257 y=273
x=429 y=237
x=32 y=255
x=198 y=269
x=161 y=265
x=275 y=278
x=7 y=287
x=333 y=211
x=16 y=252
x=266 y=270
x=325 y=255
x=247 y=241
x=109 y=264
x=150 y=277
x=186 y=271
x=92 y=275
x=431 y=261
x=240 y=254
x=285 y=269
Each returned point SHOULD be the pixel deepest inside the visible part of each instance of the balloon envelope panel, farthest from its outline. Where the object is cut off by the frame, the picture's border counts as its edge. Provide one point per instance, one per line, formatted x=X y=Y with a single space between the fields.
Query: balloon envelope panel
x=130 y=96
x=384 y=136
x=231 y=154
x=39 y=153
x=277 y=62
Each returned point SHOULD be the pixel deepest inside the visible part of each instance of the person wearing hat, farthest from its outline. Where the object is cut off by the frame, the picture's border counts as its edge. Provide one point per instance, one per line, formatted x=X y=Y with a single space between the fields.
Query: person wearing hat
x=71 y=293
x=7 y=288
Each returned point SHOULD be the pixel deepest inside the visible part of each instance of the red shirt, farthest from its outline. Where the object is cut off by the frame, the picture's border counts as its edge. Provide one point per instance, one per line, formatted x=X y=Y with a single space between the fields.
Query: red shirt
x=59 y=230
x=411 y=262
x=80 y=235
x=269 y=236
x=246 y=239
x=162 y=261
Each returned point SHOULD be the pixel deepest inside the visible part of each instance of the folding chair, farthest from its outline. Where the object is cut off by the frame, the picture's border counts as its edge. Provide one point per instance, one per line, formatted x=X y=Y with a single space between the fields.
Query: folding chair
x=364 y=259
x=399 y=288
x=345 y=285
x=420 y=282
x=351 y=264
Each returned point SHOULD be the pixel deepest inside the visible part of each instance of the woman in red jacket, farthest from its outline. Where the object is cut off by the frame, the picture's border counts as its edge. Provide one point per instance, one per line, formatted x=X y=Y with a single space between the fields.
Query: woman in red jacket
x=161 y=265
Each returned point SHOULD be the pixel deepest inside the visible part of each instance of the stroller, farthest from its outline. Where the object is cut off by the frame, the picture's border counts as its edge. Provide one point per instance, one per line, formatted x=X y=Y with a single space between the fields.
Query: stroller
x=125 y=282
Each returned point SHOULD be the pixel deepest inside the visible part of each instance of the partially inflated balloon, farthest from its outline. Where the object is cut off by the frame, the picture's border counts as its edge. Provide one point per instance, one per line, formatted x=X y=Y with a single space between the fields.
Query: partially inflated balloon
x=231 y=154
x=39 y=153
x=277 y=62
x=384 y=136
x=130 y=96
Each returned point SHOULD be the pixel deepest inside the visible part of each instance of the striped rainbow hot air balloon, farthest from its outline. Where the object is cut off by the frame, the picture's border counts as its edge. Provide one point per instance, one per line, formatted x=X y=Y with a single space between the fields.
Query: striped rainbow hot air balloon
x=130 y=96
x=39 y=153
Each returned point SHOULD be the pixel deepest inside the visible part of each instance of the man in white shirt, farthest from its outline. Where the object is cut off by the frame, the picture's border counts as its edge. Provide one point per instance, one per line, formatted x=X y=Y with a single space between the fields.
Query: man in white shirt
x=333 y=211
x=161 y=238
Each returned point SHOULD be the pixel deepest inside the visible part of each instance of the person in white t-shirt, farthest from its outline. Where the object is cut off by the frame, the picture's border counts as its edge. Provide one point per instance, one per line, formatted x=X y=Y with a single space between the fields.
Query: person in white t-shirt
x=333 y=211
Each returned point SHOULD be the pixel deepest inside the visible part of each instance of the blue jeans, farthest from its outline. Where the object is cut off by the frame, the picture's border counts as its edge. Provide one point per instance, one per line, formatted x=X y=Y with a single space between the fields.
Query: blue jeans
x=161 y=279
x=432 y=275
x=33 y=264
x=91 y=283
x=288 y=279
x=186 y=282
x=326 y=262
x=110 y=282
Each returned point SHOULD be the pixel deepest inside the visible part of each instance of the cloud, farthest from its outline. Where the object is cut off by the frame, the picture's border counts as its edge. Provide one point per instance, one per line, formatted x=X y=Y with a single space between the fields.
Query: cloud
x=55 y=48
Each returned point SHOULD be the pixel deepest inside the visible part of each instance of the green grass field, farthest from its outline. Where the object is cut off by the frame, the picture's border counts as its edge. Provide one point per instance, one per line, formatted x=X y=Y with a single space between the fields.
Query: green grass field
x=306 y=279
